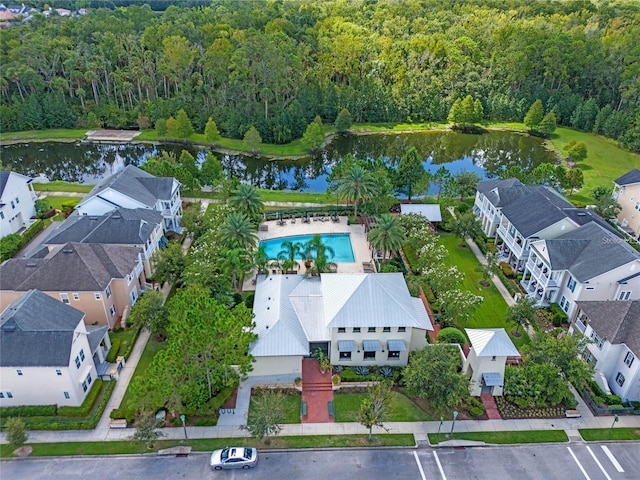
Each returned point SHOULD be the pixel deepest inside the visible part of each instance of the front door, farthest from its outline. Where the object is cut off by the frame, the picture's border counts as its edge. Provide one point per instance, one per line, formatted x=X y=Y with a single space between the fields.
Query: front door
x=323 y=346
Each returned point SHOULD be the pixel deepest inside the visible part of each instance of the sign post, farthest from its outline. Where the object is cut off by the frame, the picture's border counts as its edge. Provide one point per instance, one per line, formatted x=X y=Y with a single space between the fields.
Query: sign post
x=183 y=418
x=453 y=424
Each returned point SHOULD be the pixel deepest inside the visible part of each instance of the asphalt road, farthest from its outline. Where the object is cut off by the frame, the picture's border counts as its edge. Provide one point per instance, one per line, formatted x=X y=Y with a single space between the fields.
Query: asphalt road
x=614 y=461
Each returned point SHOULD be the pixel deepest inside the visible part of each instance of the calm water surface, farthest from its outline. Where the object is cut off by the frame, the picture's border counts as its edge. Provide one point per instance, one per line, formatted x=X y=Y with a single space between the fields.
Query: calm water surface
x=484 y=154
x=340 y=243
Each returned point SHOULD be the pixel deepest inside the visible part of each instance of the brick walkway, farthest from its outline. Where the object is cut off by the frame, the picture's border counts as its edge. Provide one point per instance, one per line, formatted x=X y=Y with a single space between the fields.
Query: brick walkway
x=317 y=391
x=490 y=406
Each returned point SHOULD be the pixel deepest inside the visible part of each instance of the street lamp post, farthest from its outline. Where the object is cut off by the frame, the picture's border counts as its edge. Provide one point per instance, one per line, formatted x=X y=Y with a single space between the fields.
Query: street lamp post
x=440 y=426
x=453 y=424
x=183 y=418
x=615 y=419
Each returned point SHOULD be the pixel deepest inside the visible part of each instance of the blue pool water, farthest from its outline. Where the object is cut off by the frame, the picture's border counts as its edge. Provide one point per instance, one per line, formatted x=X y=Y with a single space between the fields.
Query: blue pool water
x=339 y=242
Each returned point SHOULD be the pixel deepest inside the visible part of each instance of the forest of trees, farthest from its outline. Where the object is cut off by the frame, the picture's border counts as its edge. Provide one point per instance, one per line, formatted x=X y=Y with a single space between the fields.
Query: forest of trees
x=277 y=65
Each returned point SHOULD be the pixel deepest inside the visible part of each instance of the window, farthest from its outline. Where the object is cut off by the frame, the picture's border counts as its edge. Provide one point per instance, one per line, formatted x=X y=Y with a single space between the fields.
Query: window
x=108 y=292
x=342 y=330
x=345 y=355
x=19 y=372
x=596 y=339
x=134 y=296
x=356 y=329
x=1 y=395
x=369 y=355
x=17 y=200
x=98 y=295
x=13 y=205
x=76 y=297
x=113 y=310
x=393 y=355
x=89 y=379
x=371 y=330
x=590 y=359
x=620 y=379
x=58 y=372
x=637 y=207
x=624 y=295
x=386 y=329
x=9 y=395
x=129 y=278
x=84 y=386
x=82 y=354
x=66 y=395
x=78 y=362
x=628 y=359
x=493 y=358
x=564 y=304
x=65 y=298
x=402 y=329
x=2 y=215
x=571 y=284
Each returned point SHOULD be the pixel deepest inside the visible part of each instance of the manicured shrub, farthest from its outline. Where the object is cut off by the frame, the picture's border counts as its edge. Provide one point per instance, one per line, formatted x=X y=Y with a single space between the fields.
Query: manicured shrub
x=558 y=316
x=115 y=349
x=88 y=404
x=492 y=248
x=122 y=413
x=451 y=335
x=506 y=269
x=29 y=411
x=476 y=411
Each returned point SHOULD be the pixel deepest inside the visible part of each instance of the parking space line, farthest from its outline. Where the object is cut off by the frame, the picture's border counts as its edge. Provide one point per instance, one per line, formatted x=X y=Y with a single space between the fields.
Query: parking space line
x=612 y=458
x=444 y=477
x=415 y=454
x=599 y=464
x=575 y=459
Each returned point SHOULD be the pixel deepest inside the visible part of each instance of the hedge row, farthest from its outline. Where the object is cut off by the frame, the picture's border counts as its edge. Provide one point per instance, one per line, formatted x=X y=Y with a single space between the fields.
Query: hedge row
x=131 y=343
x=505 y=281
x=12 y=244
x=88 y=404
x=29 y=411
x=115 y=349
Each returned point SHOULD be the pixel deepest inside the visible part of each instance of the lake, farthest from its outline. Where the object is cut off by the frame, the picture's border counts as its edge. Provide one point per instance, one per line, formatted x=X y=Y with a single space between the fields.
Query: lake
x=485 y=154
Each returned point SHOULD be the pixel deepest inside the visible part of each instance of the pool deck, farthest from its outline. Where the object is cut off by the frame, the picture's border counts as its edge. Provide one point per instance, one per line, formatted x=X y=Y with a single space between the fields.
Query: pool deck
x=361 y=251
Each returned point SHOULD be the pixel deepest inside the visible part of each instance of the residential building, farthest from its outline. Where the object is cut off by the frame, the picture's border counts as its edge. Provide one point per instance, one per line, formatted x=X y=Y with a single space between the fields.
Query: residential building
x=614 y=329
x=356 y=319
x=136 y=227
x=17 y=202
x=47 y=353
x=103 y=281
x=626 y=192
x=490 y=348
x=430 y=211
x=517 y=215
x=588 y=263
x=135 y=188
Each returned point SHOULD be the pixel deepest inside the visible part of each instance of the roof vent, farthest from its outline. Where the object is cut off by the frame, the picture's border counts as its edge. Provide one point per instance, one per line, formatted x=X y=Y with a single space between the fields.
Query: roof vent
x=117 y=216
x=8 y=328
x=31 y=265
x=67 y=250
x=582 y=214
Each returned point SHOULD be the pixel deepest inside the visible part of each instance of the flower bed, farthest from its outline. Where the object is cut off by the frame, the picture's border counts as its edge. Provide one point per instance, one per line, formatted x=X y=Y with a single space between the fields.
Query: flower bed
x=510 y=410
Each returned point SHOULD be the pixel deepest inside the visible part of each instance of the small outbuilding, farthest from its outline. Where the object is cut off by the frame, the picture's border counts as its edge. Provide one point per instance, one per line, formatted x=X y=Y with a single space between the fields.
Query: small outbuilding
x=490 y=349
x=430 y=211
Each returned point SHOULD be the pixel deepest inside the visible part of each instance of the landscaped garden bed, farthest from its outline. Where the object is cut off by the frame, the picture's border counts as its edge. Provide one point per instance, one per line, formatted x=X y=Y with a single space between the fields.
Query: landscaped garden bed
x=511 y=410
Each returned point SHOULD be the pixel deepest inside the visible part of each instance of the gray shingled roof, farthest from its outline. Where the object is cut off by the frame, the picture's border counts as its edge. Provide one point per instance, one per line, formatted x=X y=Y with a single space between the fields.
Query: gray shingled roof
x=589 y=251
x=122 y=226
x=503 y=192
x=4 y=178
x=628 y=178
x=536 y=211
x=37 y=331
x=73 y=267
x=617 y=321
x=137 y=184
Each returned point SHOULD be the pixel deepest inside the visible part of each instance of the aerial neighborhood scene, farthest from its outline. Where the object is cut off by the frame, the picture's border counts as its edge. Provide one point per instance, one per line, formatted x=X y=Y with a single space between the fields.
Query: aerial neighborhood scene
x=387 y=238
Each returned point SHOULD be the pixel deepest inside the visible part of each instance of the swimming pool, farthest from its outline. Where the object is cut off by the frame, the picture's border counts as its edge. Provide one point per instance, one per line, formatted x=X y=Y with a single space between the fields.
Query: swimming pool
x=339 y=242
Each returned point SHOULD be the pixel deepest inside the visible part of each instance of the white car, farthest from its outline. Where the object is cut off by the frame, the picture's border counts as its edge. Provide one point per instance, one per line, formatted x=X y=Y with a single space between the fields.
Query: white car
x=234 y=457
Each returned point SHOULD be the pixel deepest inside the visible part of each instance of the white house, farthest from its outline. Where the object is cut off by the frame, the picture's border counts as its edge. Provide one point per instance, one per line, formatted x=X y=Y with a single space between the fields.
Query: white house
x=357 y=319
x=17 y=202
x=518 y=214
x=626 y=192
x=47 y=354
x=588 y=263
x=135 y=188
x=614 y=328
x=136 y=227
x=490 y=349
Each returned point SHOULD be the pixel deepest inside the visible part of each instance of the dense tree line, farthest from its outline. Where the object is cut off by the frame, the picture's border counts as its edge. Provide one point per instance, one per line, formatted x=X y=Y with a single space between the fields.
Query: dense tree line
x=277 y=65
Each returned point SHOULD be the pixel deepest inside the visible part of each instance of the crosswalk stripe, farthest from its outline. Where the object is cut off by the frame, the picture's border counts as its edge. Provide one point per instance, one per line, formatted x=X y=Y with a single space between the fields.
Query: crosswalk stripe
x=612 y=458
x=579 y=464
x=599 y=464
x=415 y=454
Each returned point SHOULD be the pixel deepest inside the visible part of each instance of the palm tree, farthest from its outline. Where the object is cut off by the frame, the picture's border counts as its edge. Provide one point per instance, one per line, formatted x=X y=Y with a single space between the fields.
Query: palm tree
x=320 y=253
x=387 y=234
x=261 y=261
x=236 y=262
x=287 y=256
x=237 y=232
x=356 y=185
x=246 y=199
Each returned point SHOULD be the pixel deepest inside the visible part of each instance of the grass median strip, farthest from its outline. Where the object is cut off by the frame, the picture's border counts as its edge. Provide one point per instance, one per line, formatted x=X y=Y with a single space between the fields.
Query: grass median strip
x=599 y=434
x=525 y=436
x=209 y=444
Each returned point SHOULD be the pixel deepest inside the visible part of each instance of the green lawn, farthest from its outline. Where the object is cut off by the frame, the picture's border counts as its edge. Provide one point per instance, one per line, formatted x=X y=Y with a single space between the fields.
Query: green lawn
x=493 y=310
x=150 y=350
x=56 y=202
x=44 y=135
x=62 y=186
x=598 y=434
x=604 y=163
x=125 y=337
x=278 y=196
x=291 y=407
x=526 y=436
x=402 y=409
x=209 y=444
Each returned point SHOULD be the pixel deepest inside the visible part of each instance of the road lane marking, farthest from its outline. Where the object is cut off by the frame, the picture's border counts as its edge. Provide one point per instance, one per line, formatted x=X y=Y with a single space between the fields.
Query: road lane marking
x=612 y=458
x=415 y=454
x=575 y=459
x=599 y=464
x=444 y=477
